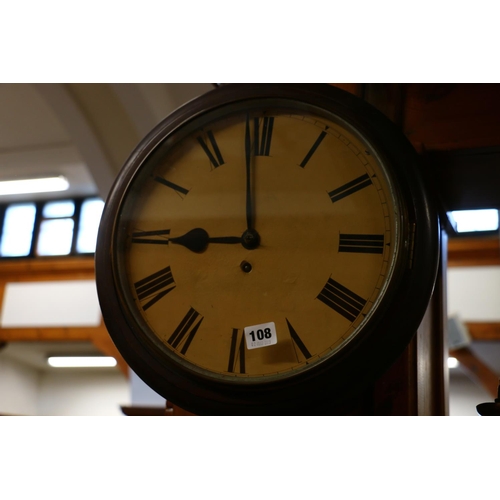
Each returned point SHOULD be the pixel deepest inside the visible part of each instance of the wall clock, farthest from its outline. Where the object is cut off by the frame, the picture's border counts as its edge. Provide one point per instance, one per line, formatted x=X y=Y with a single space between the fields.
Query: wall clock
x=267 y=249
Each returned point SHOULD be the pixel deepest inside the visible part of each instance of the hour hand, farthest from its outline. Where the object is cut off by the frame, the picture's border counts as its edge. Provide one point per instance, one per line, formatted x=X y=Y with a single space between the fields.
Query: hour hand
x=197 y=240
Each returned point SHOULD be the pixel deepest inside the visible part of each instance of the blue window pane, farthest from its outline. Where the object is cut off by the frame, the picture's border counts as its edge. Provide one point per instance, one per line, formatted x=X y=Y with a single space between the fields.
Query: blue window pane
x=57 y=209
x=18 y=230
x=55 y=237
x=90 y=218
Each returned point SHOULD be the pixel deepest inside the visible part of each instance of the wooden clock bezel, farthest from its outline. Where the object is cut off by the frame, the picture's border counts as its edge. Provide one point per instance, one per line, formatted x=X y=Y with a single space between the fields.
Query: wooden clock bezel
x=363 y=359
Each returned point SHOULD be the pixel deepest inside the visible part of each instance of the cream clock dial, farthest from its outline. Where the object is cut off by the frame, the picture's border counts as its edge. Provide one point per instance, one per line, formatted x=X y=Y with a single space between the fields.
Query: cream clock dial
x=254 y=243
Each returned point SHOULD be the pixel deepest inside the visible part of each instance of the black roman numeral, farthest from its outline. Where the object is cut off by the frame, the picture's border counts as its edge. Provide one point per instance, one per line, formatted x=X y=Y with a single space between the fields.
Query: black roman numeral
x=262 y=141
x=350 y=188
x=313 y=148
x=159 y=237
x=215 y=158
x=341 y=299
x=237 y=352
x=361 y=243
x=154 y=287
x=171 y=185
x=185 y=332
x=297 y=341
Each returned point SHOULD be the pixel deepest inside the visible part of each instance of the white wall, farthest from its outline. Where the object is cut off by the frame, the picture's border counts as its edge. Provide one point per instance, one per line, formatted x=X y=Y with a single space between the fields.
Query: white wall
x=142 y=395
x=465 y=395
x=19 y=385
x=61 y=392
x=83 y=392
x=473 y=295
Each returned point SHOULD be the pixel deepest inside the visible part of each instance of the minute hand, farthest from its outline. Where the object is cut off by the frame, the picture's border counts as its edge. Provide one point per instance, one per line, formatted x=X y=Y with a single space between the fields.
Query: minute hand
x=250 y=238
x=248 y=160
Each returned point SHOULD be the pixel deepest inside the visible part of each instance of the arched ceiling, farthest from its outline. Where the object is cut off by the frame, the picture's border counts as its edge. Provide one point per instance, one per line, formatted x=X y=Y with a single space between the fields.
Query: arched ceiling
x=82 y=131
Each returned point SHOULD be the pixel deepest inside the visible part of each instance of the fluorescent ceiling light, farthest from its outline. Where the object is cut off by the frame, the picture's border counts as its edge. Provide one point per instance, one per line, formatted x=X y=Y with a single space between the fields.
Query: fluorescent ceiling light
x=466 y=221
x=81 y=361
x=452 y=362
x=38 y=185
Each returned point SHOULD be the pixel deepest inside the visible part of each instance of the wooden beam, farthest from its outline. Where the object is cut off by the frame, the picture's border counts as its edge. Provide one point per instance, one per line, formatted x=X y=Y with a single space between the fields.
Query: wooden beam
x=52 y=334
x=96 y=335
x=56 y=269
x=38 y=269
x=473 y=252
x=484 y=331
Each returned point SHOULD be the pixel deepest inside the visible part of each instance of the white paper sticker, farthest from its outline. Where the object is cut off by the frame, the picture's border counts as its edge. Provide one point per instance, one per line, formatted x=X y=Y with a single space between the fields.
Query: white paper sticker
x=260 y=335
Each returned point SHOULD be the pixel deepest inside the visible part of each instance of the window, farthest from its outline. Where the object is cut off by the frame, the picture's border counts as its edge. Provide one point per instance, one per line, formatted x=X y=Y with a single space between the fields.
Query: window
x=56 y=228
x=60 y=227
x=90 y=216
x=17 y=233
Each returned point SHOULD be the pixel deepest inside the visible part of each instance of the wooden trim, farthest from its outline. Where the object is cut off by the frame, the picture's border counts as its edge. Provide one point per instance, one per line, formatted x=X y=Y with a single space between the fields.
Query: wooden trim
x=36 y=269
x=473 y=252
x=143 y=411
x=484 y=331
x=434 y=393
x=353 y=88
x=177 y=411
x=77 y=334
x=156 y=411
x=417 y=383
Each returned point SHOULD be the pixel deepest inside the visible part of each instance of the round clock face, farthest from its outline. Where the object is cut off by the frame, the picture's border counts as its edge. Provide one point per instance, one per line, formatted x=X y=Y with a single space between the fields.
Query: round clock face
x=255 y=246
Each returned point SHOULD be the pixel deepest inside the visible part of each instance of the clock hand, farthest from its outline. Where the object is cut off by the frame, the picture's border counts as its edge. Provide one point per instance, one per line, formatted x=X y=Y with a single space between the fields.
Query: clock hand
x=250 y=238
x=248 y=162
x=197 y=240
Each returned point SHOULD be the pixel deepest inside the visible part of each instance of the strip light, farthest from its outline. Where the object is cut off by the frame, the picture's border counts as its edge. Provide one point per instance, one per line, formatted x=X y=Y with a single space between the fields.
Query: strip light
x=466 y=221
x=38 y=185
x=81 y=361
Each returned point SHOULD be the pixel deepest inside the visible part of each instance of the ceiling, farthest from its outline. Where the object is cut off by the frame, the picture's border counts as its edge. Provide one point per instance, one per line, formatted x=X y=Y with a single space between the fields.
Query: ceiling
x=33 y=142
x=34 y=354
x=84 y=132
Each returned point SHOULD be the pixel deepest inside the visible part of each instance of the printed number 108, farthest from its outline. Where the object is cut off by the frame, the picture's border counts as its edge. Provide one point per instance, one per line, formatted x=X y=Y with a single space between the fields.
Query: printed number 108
x=260 y=334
